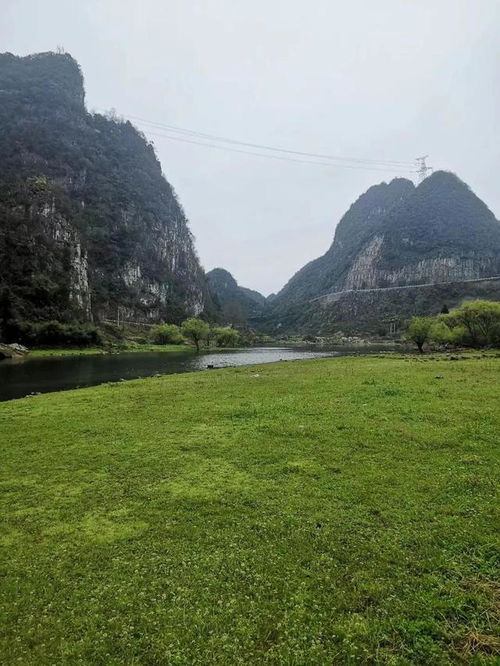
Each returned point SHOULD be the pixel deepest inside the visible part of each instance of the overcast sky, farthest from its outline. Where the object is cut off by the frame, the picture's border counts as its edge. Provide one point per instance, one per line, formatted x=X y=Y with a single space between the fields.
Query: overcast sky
x=387 y=80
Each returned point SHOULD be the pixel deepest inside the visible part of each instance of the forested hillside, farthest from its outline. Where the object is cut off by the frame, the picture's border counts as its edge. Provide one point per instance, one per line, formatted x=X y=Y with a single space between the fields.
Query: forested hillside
x=89 y=226
x=395 y=235
x=239 y=306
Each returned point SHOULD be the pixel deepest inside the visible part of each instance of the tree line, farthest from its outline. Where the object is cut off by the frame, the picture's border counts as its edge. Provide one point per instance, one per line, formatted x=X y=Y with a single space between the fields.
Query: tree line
x=474 y=324
x=198 y=332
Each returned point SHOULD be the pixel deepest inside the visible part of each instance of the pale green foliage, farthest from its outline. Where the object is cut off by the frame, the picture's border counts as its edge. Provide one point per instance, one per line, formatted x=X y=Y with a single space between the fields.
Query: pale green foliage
x=441 y=333
x=227 y=337
x=166 y=334
x=473 y=324
x=476 y=323
x=419 y=331
x=196 y=330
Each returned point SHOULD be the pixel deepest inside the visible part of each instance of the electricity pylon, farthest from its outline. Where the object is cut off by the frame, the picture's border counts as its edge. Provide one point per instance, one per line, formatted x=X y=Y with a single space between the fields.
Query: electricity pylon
x=422 y=169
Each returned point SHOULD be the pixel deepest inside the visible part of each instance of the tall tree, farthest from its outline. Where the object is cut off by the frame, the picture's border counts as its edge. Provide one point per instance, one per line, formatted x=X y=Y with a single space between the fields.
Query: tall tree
x=196 y=330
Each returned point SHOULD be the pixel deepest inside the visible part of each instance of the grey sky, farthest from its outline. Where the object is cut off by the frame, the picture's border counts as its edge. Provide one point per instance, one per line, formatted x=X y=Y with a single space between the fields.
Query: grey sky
x=385 y=80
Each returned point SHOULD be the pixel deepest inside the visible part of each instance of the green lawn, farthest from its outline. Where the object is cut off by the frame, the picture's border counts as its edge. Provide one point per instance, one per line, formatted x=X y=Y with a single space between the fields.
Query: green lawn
x=339 y=511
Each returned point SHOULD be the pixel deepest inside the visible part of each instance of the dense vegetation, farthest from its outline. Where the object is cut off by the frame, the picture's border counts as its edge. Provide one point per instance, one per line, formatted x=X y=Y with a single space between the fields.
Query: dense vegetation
x=239 y=306
x=53 y=333
x=89 y=227
x=473 y=324
x=339 y=511
x=166 y=334
x=198 y=332
x=441 y=218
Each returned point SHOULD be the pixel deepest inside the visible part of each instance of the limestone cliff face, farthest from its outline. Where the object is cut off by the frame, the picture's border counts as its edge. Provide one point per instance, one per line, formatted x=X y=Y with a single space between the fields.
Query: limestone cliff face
x=439 y=232
x=396 y=235
x=365 y=273
x=69 y=242
x=89 y=227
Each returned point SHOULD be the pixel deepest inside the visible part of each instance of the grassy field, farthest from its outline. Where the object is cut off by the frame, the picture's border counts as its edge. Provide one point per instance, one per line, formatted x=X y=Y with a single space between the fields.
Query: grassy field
x=339 y=511
x=35 y=353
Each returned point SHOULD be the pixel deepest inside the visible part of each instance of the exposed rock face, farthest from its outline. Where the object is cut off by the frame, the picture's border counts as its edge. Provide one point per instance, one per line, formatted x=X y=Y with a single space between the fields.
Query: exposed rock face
x=365 y=274
x=395 y=235
x=69 y=241
x=12 y=351
x=355 y=230
x=89 y=227
x=239 y=306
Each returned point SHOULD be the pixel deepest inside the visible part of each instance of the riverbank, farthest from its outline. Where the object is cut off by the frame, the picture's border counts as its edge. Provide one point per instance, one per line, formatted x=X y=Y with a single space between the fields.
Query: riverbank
x=117 y=349
x=328 y=511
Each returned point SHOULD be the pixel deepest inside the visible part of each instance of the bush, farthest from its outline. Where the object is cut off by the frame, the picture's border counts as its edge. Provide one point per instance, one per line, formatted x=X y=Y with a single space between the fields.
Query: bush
x=495 y=335
x=227 y=337
x=54 y=333
x=474 y=324
x=441 y=334
x=166 y=334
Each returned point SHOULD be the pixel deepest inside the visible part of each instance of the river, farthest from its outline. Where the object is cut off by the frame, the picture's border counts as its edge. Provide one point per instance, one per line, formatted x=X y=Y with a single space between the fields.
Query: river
x=19 y=378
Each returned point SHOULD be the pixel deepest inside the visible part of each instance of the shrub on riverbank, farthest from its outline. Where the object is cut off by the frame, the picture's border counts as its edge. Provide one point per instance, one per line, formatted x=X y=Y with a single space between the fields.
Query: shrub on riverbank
x=166 y=334
x=55 y=333
x=226 y=337
x=474 y=324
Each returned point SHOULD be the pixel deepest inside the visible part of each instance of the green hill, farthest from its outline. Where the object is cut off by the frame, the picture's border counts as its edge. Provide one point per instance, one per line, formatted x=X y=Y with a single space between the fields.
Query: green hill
x=239 y=305
x=394 y=235
x=89 y=226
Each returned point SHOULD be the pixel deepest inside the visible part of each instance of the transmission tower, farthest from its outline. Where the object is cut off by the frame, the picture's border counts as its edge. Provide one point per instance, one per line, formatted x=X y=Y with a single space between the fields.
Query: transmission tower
x=422 y=169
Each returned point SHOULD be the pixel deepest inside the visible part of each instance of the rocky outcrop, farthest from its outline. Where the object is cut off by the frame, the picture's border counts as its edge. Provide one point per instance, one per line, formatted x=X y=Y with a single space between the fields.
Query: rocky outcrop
x=89 y=227
x=395 y=235
x=364 y=273
x=12 y=351
x=69 y=241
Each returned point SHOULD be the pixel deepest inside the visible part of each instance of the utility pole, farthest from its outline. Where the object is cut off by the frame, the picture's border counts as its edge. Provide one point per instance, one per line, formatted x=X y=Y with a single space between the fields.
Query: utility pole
x=422 y=169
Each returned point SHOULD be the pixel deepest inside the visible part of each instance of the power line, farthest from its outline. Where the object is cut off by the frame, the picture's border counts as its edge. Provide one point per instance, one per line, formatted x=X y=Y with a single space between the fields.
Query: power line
x=279 y=157
x=216 y=137
x=206 y=139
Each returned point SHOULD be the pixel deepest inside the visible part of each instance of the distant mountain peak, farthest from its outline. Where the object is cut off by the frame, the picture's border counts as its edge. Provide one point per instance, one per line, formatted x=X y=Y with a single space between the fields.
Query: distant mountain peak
x=221 y=274
x=396 y=234
x=238 y=304
x=44 y=75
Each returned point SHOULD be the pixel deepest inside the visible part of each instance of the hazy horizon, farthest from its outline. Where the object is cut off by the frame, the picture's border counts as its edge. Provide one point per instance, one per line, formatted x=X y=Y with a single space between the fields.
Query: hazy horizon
x=385 y=82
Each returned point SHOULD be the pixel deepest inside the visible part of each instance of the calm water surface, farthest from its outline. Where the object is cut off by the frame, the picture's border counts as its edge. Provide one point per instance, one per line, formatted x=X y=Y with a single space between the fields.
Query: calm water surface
x=19 y=378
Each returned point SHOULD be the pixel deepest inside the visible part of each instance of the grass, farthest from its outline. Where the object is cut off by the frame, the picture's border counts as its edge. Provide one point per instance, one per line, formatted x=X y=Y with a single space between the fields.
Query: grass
x=339 y=511
x=39 y=353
